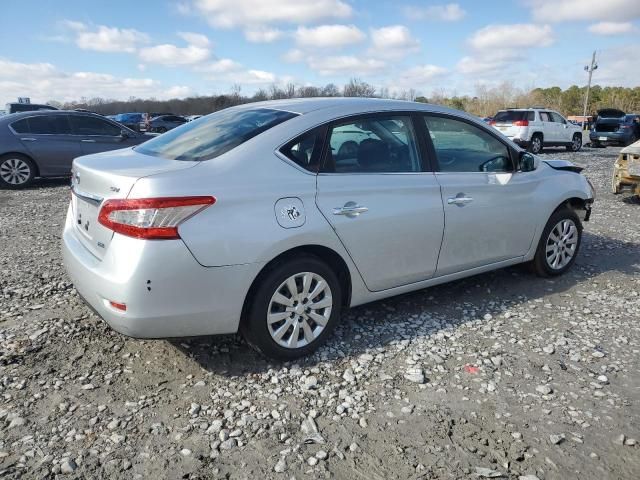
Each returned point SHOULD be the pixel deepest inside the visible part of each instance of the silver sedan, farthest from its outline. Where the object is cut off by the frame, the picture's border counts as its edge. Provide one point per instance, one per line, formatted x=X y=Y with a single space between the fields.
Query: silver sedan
x=271 y=218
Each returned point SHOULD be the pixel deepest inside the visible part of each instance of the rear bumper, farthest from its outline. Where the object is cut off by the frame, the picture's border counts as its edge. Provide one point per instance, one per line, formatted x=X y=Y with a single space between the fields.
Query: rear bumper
x=166 y=292
x=612 y=138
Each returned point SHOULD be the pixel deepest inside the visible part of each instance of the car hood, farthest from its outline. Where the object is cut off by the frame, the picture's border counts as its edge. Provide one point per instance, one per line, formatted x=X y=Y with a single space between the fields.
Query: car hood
x=610 y=113
x=633 y=149
x=563 y=165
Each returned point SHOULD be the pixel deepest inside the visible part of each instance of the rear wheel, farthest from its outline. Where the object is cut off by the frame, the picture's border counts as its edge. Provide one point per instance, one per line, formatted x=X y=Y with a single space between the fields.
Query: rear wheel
x=559 y=243
x=16 y=171
x=535 y=146
x=294 y=309
x=576 y=143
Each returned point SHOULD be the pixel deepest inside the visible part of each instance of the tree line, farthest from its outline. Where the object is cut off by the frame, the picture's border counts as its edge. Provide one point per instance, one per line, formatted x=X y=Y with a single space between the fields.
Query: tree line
x=486 y=101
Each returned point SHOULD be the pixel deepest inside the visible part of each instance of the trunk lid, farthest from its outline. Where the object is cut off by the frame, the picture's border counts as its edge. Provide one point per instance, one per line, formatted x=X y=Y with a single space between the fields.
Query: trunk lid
x=104 y=176
x=610 y=113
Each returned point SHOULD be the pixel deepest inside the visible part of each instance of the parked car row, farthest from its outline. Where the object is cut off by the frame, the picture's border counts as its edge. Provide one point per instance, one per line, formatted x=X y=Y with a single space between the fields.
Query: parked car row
x=44 y=143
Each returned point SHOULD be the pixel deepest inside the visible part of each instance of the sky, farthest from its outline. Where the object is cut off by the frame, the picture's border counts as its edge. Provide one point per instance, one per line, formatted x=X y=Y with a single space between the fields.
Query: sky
x=66 y=50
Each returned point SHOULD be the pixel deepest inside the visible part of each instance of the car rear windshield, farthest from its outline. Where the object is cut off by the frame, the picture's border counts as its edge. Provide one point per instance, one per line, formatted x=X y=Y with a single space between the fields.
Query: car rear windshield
x=510 y=116
x=211 y=136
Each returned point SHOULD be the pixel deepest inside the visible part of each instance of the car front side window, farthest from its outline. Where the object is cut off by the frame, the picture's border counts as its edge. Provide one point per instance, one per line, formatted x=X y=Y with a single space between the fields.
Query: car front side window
x=463 y=147
x=86 y=125
x=376 y=144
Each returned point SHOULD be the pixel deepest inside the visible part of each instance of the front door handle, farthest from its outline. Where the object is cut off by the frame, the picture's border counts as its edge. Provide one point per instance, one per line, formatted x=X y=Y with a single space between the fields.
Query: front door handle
x=87 y=140
x=461 y=200
x=28 y=139
x=350 y=209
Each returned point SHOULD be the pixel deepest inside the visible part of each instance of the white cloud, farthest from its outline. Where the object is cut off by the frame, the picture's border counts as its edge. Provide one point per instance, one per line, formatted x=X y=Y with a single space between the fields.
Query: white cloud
x=487 y=62
x=333 y=36
x=197 y=39
x=106 y=39
x=263 y=34
x=577 y=10
x=170 y=55
x=43 y=82
x=231 y=13
x=394 y=41
x=294 y=55
x=512 y=36
x=420 y=74
x=346 y=65
x=450 y=12
x=611 y=28
x=224 y=65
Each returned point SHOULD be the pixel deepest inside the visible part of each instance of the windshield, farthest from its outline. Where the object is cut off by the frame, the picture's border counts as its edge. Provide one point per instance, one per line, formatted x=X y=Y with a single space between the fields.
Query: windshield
x=211 y=136
x=513 y=116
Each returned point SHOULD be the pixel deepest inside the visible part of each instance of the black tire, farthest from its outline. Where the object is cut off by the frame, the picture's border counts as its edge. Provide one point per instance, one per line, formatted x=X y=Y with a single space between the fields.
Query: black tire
x=576 y=143
x=15 y=167
x=254 y=326
x=540 y=263
x=536 y=144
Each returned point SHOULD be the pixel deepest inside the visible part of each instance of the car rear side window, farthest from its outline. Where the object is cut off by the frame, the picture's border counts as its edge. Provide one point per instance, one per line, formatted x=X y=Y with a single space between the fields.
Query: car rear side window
x=90 y=126
x=21 y=126
x=462 y=147
x=211 y=136
x=49 y=125
x=510 y=116
x=305 y=149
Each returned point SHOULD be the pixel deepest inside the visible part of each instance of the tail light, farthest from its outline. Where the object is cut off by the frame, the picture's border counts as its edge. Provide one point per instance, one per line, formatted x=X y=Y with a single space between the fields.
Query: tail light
x=521 y=123
x=151 y=218
x=492 y=122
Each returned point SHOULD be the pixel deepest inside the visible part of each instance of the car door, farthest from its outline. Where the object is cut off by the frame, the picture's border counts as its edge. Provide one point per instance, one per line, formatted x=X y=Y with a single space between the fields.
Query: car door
x=564 y=133
x=96 y=134
x=488 y=206
x=50 y=143
x=549 y=128
x=384 y=207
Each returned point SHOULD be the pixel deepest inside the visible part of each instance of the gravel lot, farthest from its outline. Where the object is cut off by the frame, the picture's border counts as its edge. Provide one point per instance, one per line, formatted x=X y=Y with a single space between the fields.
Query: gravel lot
x=502 y=375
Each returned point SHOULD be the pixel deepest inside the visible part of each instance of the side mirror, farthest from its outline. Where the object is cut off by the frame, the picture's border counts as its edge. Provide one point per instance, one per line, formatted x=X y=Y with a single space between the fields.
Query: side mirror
x=528 y=162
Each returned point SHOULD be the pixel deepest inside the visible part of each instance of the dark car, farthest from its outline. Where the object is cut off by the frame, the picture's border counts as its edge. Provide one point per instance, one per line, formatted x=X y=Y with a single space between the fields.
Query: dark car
x=614 y=127
x=26 y=107
x=44 y=143
x=165 y=123
x=130 y=120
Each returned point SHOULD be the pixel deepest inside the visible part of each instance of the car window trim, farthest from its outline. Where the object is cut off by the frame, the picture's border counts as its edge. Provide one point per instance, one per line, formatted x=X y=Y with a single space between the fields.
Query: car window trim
x=379 y=113
x=66 y=115
x=434 y=155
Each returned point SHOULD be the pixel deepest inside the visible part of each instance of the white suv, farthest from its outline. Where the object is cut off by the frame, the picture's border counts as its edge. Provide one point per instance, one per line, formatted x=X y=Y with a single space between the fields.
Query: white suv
x=536 y=128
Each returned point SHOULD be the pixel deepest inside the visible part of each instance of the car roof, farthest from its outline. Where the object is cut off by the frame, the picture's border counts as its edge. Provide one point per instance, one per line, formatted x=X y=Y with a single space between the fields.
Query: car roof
x=365 y=104
x=35 y=113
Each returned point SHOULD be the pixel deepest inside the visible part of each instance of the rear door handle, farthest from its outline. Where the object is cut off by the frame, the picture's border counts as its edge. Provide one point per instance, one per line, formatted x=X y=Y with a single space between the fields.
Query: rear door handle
x=87 y=140
x=28 y=139
x=350 y=209
x=460 y=200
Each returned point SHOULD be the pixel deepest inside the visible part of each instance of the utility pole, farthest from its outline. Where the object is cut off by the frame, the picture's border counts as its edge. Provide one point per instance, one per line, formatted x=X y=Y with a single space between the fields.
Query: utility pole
x=590 y=69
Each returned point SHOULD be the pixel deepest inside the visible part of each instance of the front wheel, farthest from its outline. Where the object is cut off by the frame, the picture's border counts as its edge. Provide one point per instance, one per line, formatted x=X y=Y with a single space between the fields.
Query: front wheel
x=294 y=308
x=576 y=143
x=559 y=244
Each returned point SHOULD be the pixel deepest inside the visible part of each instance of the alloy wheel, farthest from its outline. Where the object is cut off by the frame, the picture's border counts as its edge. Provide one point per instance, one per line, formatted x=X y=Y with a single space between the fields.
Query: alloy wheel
x=577 y=143
x=15 y=171
x=536 y=145
x=561 y=244
x=299 y=310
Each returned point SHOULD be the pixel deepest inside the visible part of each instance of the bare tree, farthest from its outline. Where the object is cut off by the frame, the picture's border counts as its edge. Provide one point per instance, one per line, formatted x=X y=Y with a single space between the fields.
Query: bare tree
x=358 y=88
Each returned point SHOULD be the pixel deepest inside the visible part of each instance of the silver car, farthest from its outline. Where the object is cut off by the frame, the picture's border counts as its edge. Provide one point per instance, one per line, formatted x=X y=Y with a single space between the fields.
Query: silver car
x=271 y=218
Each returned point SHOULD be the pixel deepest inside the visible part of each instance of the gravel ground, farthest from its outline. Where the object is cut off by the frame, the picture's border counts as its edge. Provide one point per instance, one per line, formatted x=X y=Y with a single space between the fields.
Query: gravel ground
x=502 y=375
